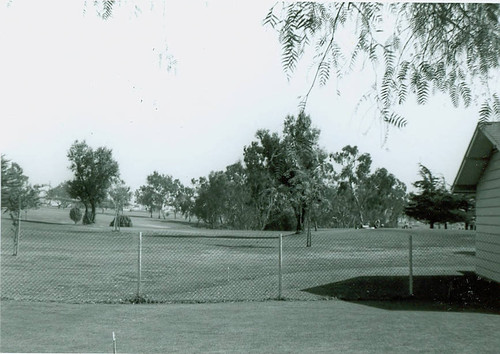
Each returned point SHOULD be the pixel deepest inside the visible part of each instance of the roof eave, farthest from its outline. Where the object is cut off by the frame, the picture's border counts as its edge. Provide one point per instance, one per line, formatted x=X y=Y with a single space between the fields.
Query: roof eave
x=464 y=161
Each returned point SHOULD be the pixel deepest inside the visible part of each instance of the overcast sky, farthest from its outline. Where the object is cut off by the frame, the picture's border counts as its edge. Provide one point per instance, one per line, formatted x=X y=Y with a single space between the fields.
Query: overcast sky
x=66 y=75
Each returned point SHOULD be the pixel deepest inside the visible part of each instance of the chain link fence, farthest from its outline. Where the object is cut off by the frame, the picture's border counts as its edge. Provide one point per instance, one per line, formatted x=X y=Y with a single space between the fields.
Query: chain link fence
x=82 y=264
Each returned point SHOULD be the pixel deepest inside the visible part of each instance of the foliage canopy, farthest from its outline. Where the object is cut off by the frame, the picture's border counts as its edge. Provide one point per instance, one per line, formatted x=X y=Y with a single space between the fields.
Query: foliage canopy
x=414 y=48
x=434 y=203
x=94 y=172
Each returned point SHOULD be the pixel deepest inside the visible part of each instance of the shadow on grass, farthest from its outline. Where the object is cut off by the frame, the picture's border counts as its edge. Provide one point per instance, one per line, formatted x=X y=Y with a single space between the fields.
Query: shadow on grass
x=461 y=293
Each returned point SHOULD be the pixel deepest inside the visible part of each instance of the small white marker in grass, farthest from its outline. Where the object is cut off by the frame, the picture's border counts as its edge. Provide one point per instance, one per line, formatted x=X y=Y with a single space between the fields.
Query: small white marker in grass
x=114 y=343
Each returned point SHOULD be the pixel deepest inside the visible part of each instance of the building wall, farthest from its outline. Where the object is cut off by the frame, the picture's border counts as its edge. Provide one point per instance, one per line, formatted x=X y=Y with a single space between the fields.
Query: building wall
x=488 y=221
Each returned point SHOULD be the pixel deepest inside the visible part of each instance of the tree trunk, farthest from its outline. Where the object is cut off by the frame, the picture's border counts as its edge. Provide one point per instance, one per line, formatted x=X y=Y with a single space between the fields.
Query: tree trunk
x=298 y=215
x=432 y=224
x=358 y=204
x=93 y=213
x=308 y=228
x=86 y=217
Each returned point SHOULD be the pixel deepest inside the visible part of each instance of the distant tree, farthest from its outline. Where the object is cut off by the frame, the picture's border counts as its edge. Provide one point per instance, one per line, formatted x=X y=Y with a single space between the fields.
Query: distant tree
x=161 y=185
x=362 y=197
x=158 y=192
x=355 y=170
x=260 y=159
x=94 y=172
x=176 y=197
x=211 y=197
x=307 y=168
x=145 y=196
x=238 y=210
x=186 y=199
x=120 y=194
x=434 y=203
x=385 y=198
x=468 y=206
x=59 y=195
x=17 y=193
x=12 y=182
x=75 y=214
x=286 y=171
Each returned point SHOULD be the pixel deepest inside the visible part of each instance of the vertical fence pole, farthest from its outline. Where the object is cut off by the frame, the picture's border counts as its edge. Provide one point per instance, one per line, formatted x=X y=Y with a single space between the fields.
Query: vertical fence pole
x=139 y=265
x=280 y=263
x=410 y=263
x=116 y=219
x=18 y=231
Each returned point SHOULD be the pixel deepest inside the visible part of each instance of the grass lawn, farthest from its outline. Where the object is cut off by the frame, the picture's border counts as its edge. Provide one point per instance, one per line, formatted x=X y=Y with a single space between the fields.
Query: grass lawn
x=59 y=261
x=246 y=327
x=50 y=289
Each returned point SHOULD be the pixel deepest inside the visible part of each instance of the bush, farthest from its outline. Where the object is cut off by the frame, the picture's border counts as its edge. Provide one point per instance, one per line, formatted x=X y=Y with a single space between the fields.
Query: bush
x=283 y=220
x=75 y=214
x=87 y=219
x=124 y=221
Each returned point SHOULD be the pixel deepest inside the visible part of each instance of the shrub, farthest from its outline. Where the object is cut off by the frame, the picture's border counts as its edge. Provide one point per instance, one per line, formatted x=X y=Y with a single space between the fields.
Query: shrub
x=283 y=220
x=87 y=219
x=75 y=214
x=124 y=221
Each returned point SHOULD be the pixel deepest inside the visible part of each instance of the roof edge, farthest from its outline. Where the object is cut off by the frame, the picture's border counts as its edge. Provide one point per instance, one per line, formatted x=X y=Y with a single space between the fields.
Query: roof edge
x=464 y=159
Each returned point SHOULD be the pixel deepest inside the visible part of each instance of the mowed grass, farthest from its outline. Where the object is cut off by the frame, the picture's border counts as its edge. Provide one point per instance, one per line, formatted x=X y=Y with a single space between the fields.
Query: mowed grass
x=59 y=261
x=243 y=327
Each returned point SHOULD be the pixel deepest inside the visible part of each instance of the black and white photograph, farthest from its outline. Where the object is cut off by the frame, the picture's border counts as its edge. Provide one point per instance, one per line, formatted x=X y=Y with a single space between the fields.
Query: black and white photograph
x=217 y=176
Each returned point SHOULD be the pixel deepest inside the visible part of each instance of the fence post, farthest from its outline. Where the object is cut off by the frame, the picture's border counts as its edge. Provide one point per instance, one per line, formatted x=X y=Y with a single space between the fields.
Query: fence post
x=410 y=264
x=139 y=265
x=18 y=231
x=115 y=224
x=280 y=263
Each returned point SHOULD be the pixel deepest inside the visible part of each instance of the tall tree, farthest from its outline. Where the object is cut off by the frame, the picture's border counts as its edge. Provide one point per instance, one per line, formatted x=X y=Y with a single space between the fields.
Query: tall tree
x=186 y=199
x=17 y=193
x=305 y=167
x=160 y=191
x=287 y=169
x=94 y=172
x=238 y=209
x=385 y=198
x=414 y=48
x=434 y=203
x=260 y=159
x=355 y=169
x=145 y=195
x=176 y=197
x=120 y=194
x=211 y=198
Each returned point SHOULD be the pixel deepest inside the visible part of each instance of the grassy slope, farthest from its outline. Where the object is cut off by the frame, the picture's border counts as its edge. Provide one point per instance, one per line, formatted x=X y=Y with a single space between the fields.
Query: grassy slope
x=251 y=327
x=76 y=263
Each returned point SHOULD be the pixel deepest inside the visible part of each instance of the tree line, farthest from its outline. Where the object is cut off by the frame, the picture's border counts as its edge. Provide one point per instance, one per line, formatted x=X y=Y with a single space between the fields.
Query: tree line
x=285 y=181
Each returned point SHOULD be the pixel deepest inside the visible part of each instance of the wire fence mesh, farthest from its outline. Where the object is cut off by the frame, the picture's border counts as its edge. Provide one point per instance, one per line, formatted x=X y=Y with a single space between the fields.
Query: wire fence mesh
x=83 y=264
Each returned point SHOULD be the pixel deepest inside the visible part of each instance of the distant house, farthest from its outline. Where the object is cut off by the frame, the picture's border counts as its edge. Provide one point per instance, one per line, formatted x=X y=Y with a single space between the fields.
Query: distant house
x=479 y=174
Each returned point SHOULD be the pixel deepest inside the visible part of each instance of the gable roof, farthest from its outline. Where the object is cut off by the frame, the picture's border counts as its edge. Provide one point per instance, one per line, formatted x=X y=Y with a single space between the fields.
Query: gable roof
x=485 y=139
